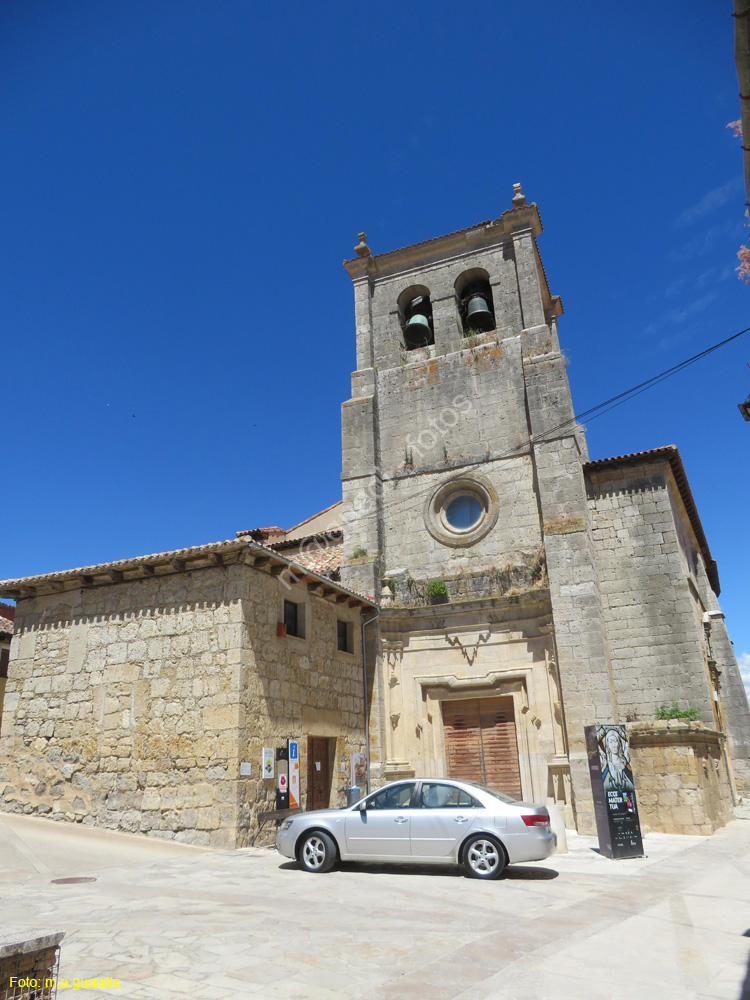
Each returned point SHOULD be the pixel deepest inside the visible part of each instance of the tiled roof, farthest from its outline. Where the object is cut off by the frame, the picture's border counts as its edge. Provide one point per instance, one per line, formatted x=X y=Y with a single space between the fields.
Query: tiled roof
x=7 y=610
x=670 y=453
x=177 y=560
x=122 y=565
x=6 y=626
x=665 y=449
x=321 y=553
x=259 y=534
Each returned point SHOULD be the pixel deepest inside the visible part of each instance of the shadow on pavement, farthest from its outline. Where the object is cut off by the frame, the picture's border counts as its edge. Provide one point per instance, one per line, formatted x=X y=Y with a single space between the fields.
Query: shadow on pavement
x=745 y=992
x=529 y=874
x=514 y=872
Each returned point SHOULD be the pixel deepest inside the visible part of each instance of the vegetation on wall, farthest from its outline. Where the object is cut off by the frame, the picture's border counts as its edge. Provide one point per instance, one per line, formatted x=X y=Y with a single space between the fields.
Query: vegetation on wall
x=528 y=572
x=437 y=591
x=674 y=711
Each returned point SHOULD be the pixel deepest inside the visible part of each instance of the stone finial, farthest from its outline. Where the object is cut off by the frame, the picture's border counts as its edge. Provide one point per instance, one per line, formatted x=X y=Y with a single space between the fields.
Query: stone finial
x=362 y=249
x=519 y=198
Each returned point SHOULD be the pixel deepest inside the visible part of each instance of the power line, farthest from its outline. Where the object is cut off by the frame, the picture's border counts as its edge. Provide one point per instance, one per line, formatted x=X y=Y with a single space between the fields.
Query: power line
x=592 y=413
x=655 y=379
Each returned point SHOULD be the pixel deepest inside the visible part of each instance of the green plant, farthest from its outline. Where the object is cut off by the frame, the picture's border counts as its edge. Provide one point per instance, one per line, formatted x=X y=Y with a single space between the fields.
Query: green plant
x=674 y=711
x=408 y=458
x=437 y=591
x=359 y=552
x=391 y=585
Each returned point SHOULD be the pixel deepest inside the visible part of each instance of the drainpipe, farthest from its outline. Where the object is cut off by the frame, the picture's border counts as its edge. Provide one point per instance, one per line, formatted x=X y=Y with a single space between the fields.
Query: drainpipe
x=364 y=694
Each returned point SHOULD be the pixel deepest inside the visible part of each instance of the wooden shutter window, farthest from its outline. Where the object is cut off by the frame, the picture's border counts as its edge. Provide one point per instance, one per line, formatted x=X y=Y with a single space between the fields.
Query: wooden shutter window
x=480 y=743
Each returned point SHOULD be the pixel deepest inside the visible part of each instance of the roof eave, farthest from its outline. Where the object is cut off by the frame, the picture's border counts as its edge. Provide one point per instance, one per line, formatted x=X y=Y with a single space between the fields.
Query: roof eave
x=168 y=563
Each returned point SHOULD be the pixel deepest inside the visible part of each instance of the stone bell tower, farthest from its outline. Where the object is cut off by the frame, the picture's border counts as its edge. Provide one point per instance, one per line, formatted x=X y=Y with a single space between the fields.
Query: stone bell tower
x=463 y=487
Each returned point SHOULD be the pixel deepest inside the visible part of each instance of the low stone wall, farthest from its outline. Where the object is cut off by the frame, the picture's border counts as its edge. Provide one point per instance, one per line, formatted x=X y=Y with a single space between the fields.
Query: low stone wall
x=29 y=964
x=680 y=777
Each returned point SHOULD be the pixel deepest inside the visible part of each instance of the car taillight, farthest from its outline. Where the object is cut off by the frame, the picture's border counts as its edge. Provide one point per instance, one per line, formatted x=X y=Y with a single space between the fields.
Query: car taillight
x=538 y=819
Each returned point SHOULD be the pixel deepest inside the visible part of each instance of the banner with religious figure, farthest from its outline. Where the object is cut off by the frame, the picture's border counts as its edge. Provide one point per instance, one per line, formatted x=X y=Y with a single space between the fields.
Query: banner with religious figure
x=613 y=787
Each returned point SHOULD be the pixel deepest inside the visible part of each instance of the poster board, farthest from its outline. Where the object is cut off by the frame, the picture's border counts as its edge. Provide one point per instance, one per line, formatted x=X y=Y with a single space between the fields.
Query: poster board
x=358 y=771
x=269 y=763
x=613 y=788
x=294 y=793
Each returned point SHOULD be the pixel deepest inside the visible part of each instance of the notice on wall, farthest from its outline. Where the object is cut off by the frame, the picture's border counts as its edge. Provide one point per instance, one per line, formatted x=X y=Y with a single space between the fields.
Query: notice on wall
x=317 y=765
x=613 y=787
x=246 y=769
x=294 y=794
x=269 y=766
x=282 y=777
x=358 y=775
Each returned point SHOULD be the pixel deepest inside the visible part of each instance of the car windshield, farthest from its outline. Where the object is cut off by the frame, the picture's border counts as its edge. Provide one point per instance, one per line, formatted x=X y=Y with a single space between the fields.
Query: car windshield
x=492 y=791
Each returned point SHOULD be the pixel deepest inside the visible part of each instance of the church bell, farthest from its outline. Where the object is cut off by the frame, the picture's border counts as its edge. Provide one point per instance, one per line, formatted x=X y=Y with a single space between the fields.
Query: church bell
x=478 y=315
x=418 y=328
x=417 y=331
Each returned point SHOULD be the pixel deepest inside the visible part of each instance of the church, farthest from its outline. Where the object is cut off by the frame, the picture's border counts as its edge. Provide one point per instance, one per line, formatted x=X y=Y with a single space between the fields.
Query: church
x=482 y=592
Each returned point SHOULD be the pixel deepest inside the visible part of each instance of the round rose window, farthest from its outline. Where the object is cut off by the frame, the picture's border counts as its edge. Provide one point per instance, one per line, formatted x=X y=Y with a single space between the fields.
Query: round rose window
x=463 y=512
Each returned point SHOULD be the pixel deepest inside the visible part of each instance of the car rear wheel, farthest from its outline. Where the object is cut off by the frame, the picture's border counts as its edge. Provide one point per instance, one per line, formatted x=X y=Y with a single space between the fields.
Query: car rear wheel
x=483 y=857
x=317 y=852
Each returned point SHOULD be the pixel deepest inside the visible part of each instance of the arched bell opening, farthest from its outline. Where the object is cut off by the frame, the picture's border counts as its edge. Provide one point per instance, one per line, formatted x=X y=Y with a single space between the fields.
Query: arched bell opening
x=415 y=316
x=476 y=306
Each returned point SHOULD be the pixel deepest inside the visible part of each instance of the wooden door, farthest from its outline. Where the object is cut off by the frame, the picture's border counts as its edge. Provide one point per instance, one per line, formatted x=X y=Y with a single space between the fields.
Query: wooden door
x=480 y=743
x=318 y=773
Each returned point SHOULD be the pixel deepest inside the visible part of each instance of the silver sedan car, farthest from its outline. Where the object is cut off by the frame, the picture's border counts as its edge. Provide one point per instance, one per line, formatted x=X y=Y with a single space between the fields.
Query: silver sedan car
x=437 y=821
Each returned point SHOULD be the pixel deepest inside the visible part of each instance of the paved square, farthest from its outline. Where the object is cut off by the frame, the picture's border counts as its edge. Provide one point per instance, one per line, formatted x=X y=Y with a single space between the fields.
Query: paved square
x=174 y=921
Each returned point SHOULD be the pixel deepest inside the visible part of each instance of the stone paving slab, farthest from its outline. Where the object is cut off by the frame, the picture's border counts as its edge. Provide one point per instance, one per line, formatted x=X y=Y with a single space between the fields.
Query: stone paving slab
x=211 y=925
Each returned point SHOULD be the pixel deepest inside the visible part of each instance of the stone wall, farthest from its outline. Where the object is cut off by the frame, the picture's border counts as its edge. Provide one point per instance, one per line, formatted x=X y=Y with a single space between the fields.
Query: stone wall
x=680 y=777
x=581 y=647
x=653 y=631
x=662 y=616
x=122 y=706
x=295 y=688
x=131 y=706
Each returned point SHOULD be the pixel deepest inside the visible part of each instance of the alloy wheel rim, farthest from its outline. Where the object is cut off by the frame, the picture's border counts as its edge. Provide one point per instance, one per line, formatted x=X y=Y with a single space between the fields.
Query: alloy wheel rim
x=483 y=857
x=314 y=852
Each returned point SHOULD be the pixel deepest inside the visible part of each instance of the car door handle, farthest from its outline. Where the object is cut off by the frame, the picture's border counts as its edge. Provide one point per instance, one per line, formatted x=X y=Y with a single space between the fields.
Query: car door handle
x=402 y=819
x=460 y=819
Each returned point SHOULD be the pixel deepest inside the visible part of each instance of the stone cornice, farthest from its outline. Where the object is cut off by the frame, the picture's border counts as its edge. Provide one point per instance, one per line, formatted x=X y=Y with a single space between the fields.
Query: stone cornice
x=475 y=237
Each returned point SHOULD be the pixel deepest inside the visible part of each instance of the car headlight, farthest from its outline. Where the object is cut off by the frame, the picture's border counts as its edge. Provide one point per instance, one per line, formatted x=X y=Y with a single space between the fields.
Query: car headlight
x=286 y=825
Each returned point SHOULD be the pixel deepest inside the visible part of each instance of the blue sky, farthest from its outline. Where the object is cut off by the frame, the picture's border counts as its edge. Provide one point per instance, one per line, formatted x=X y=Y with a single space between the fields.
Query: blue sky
x=180 y=181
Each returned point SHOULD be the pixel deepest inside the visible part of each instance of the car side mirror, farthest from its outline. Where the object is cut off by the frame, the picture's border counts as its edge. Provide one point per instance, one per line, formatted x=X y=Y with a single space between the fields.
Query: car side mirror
x=362 y=806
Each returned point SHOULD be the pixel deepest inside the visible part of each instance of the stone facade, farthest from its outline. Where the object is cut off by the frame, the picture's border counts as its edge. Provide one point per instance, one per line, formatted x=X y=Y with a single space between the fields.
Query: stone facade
x=525 y=592
x=661 y=612
x=131 y=705
x=585 y=591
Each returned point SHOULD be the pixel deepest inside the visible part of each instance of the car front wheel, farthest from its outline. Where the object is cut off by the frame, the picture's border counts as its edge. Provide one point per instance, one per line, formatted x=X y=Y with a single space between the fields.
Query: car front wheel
x=317 y=852
x=483 y=857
